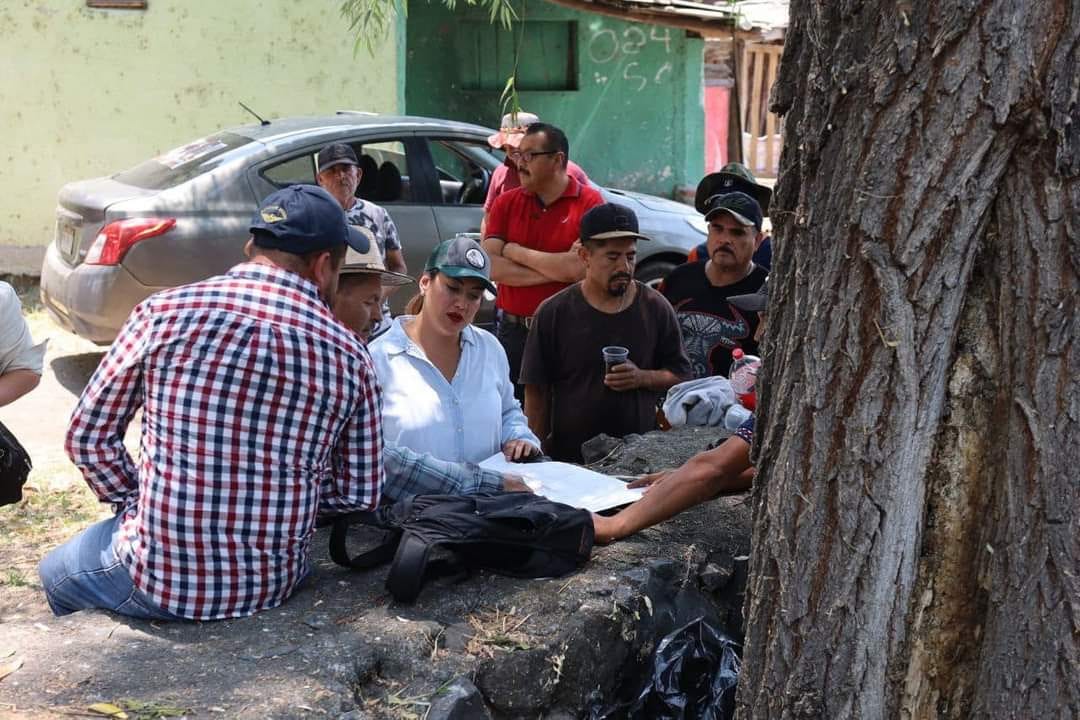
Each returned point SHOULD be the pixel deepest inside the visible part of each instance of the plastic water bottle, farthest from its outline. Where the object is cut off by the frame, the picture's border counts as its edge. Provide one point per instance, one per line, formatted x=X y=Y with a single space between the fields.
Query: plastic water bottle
x=743 y=377
x=735 y=416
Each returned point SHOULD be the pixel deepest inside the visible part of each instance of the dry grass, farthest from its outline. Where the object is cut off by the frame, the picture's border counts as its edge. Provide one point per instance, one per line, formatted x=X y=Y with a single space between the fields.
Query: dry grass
x=56 y=502
x=54 y=508
x=497 y=631
x=397 y=701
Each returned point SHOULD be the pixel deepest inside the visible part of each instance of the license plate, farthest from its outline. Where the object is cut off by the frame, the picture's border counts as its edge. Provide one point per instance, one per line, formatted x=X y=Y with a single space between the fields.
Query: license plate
x=67 y=240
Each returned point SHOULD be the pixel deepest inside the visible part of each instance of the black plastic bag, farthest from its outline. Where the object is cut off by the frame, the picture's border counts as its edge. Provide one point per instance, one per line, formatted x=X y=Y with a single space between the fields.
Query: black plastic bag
x=695 y=671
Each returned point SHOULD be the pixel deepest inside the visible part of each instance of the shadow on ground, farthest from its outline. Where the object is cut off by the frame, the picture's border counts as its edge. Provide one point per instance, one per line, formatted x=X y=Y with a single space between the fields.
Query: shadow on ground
x=341 y=648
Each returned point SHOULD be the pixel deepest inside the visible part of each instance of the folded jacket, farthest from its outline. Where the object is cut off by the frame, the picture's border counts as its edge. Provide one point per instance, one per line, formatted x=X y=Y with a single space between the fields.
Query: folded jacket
x=702 y=402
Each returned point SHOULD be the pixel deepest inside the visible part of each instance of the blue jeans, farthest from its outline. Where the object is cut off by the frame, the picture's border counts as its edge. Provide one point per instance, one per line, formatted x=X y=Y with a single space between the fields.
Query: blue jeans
x=85 y=573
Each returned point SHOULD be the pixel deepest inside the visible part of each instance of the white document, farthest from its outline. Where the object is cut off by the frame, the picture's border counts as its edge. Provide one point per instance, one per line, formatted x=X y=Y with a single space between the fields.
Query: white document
x=566 y=483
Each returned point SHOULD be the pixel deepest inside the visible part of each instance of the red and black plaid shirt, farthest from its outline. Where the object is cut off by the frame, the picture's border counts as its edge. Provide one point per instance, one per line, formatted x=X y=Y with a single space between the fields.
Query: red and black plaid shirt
x=259 y=410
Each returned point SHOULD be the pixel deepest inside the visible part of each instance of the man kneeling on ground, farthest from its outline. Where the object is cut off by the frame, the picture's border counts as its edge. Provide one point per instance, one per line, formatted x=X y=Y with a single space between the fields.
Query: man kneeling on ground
x=260 y=411
x=724 y=469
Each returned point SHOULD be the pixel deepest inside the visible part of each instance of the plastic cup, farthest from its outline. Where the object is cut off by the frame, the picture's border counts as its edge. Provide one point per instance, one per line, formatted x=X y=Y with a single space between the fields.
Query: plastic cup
x=614 y=355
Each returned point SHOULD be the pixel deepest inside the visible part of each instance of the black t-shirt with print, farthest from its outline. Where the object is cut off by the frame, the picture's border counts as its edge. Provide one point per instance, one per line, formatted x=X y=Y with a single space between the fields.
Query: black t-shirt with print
x=563 y=352
x=711 y=327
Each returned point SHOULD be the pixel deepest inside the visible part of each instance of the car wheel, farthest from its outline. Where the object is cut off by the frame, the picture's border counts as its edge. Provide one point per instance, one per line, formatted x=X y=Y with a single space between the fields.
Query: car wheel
x=653 y=273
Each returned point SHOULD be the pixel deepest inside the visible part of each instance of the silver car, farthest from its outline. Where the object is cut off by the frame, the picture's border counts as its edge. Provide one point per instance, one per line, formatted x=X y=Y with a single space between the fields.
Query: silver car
x=183 y=216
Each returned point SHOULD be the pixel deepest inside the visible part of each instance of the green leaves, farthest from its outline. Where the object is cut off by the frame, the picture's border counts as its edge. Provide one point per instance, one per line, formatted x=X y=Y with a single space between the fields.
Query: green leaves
x=372 y=20
x=508 y=101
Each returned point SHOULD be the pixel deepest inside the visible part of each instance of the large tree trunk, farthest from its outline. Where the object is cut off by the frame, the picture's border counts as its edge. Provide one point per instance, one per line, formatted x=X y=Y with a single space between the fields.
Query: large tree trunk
x=916 y=551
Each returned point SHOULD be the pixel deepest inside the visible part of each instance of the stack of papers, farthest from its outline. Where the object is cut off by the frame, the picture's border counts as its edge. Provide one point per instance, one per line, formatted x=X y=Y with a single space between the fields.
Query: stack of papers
x=567 y=483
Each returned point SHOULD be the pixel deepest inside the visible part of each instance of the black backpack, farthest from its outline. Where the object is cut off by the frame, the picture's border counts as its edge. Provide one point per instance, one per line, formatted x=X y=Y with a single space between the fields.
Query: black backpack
x=15 y=467
x=518 y=534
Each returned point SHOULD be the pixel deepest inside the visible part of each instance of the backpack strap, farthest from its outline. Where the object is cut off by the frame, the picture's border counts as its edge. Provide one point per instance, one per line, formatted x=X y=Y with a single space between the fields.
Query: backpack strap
x=410 y=563
x=374 y=557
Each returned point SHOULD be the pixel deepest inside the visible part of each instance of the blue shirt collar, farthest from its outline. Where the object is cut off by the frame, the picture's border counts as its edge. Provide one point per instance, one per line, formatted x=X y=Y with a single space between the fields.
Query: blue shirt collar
x=397 y=340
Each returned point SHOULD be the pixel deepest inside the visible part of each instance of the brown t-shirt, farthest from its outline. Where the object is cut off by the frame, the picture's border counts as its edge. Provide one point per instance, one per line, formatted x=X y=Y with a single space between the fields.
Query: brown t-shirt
x=563 y=352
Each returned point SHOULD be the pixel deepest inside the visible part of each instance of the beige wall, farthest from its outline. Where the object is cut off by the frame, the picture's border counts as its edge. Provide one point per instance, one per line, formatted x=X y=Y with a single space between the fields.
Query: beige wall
x=88 y=92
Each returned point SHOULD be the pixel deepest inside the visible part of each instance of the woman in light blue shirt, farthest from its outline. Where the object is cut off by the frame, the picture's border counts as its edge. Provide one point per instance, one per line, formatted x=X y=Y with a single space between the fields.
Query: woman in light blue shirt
x=446 y=384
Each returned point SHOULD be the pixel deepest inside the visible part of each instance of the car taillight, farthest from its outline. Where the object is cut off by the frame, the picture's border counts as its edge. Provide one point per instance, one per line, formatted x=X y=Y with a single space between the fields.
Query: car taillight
x=116 y=238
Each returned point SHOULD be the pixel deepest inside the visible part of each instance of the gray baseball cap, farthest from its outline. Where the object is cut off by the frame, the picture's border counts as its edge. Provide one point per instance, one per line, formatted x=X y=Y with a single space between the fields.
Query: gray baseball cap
x=752 y=302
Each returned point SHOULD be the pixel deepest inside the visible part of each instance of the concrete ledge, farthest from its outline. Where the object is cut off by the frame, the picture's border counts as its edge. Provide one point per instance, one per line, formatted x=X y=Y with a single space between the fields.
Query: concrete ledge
x=21 y=260
x=342 y=649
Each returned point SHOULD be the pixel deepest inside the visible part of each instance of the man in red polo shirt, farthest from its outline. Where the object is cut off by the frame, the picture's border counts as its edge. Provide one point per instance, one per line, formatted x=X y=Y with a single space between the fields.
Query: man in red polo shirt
x=532 y=233
x=505 y=177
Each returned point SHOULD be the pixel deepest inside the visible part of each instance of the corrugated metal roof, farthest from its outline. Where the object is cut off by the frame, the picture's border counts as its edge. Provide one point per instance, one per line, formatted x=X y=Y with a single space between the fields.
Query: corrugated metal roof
x=764 y=15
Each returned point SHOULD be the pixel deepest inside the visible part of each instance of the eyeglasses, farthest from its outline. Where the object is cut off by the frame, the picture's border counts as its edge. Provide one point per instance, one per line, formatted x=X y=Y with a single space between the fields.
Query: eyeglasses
x=527 y=156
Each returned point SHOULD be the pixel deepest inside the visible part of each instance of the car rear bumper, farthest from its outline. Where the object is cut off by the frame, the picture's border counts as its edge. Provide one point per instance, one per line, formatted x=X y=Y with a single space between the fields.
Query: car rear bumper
x=92 y=301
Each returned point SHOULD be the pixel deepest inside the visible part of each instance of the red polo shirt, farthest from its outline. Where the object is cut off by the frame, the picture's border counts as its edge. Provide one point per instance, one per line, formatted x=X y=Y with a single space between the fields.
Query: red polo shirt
x=519 y=217
x=506 y=178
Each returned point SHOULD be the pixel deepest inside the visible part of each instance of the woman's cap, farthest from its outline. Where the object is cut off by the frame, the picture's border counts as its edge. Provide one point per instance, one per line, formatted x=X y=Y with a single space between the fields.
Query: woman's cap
x=461 y=257
x=512 y=130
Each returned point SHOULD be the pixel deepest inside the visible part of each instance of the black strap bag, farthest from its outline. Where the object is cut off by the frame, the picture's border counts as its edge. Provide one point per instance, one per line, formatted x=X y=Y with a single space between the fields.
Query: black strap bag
x=15 y=467
x=518 y=534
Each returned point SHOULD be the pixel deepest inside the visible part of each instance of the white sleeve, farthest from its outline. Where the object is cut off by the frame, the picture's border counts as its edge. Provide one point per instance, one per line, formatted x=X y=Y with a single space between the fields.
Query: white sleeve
x=17 y=348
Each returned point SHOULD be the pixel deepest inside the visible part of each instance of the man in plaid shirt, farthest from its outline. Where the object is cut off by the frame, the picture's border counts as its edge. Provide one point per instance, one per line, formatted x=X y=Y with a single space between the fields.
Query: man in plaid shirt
x=260 y=412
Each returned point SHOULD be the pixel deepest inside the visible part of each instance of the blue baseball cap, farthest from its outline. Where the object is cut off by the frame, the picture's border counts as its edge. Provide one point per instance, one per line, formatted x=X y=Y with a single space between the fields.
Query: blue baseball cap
x=299 y=219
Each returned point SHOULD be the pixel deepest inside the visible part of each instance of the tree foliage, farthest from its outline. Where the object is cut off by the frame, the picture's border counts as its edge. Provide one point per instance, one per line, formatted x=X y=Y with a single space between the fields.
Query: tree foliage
x=372 y=19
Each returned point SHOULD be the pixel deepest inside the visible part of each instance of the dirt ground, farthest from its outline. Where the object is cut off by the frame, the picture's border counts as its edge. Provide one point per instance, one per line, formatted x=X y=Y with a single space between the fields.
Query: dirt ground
x=341 y=647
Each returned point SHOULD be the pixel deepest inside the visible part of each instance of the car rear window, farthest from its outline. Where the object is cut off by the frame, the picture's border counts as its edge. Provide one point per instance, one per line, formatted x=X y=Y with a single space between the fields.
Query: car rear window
x=182 y=163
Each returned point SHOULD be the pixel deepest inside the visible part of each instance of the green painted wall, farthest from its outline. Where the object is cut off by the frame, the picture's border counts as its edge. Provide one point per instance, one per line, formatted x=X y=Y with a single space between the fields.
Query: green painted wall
x=634 y=111
x=90 y=92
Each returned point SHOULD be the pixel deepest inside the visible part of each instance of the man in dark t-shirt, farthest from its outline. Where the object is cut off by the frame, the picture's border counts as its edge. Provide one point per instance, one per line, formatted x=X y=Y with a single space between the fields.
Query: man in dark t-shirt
x=733 y=177
x=712 y=327
x=723 y=469
x=570 y=396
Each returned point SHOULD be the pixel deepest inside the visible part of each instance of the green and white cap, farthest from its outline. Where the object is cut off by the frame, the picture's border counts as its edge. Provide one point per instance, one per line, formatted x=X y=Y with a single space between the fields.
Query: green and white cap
x=461 y=257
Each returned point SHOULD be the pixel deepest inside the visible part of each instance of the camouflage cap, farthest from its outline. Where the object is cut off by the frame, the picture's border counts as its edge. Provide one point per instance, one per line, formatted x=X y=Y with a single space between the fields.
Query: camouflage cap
x=732 y=177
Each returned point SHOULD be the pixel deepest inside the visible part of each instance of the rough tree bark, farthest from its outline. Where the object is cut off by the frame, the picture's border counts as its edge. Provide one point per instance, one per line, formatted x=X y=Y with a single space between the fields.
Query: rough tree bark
x=917 y=509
